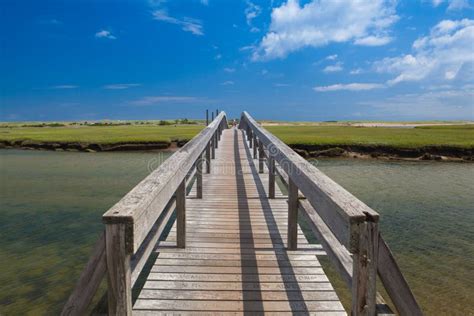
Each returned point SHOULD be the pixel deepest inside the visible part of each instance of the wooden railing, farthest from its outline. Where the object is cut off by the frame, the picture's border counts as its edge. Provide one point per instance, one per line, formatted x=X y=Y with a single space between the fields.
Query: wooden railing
x=134 y=225
x=347 y=228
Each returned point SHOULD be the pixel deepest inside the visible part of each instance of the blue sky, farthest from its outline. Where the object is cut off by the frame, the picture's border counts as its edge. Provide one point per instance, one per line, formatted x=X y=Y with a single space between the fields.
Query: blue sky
x=284 y=60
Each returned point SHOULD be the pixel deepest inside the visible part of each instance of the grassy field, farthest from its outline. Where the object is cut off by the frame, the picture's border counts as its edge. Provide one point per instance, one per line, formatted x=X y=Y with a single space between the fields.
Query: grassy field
x=450 y=135
x=456 y=135
x=101 y=134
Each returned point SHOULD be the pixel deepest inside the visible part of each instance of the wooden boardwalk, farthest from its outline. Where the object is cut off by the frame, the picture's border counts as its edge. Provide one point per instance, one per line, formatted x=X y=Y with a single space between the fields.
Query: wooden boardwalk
x=235 y=260
x=235 y=245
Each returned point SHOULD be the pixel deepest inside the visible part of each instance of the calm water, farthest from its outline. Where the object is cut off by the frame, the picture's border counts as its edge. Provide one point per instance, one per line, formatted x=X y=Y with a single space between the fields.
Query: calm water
x=51 y=205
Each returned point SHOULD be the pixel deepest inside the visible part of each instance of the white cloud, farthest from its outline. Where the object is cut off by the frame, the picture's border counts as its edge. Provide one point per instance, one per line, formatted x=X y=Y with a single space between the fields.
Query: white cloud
x=120 y=86
x=453 y=4
x=349 y=87
x=321 y=22
x=333 y=68
x=356 y=71
x=65 y=86
x=446 y=54
x=251 y=12
x=204 y=2
x=373 y=40
x=229 y=70
x=331 y=57
x=187 y=24
x=218 y=56
x=227 y=83
x=246 y=48
x=156 y=100
x=105 y=34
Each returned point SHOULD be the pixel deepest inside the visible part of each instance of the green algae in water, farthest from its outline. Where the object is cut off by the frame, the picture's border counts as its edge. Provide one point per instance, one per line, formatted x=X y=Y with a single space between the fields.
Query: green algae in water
x=427 y=218
x=51 y=207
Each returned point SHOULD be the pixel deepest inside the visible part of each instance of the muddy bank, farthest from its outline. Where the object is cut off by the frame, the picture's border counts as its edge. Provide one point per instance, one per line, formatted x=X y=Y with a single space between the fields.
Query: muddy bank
x=438 y=153
x=91 y=147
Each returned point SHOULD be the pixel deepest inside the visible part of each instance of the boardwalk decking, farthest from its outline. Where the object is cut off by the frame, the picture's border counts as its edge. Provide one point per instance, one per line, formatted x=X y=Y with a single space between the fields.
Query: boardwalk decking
x=235 y=260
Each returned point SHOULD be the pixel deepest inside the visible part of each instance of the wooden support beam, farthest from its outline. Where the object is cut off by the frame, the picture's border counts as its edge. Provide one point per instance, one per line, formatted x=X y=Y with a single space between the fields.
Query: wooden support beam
x=118 y=271
x=181 y=215
x=395 y=283
x=292 y=215
x=364 y=270
x=271 y=178
x=261 y=157
x=250 y=139
x=89 y=281
x=255 y=141
x=208 y=158
x=213 y=148
x=199 y=177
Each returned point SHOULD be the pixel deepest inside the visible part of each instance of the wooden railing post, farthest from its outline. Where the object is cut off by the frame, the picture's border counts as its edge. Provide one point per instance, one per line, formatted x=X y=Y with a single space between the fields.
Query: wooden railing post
x=208 y=158
x=261 y=157
x=118 y=271
x=250 y=139
x=199 y=177
x=213 y=148
x=181 y=215
x=364 y=270
x=292 y=215
x=271 y=178
x=255 y=141
x=216 y=139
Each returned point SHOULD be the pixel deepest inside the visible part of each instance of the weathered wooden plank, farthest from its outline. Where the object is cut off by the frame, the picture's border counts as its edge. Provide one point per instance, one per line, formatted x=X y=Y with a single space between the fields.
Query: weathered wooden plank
x=394 y=282
x=238 y=286
x=364 y=270
x=249 y=306
x=222 y=313
x=237 y=263
x=89 y=281
x=261 y=157
x=238 y=295
x=271 y=178
x=199 y=169
x=236 y=270
x=141 y=256
x=292 y=215
x=268 y=256
x=181 y=215
x=119 y=290
x=236 y=277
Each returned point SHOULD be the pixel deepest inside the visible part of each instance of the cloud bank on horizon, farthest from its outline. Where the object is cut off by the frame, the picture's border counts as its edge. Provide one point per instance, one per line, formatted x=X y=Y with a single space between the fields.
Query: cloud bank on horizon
x=309 y=60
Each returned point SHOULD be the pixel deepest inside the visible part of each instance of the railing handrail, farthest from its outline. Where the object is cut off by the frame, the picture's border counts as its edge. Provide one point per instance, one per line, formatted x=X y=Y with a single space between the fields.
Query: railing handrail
x=341 y=210
x=135 y=223
x=141 y=207
x=345 y=226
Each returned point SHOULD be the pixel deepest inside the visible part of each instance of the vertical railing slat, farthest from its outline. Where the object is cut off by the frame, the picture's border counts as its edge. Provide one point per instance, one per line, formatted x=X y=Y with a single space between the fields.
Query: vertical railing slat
x=118 y=271
x=292 y=215
x=181 y=215
x=271 y=178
